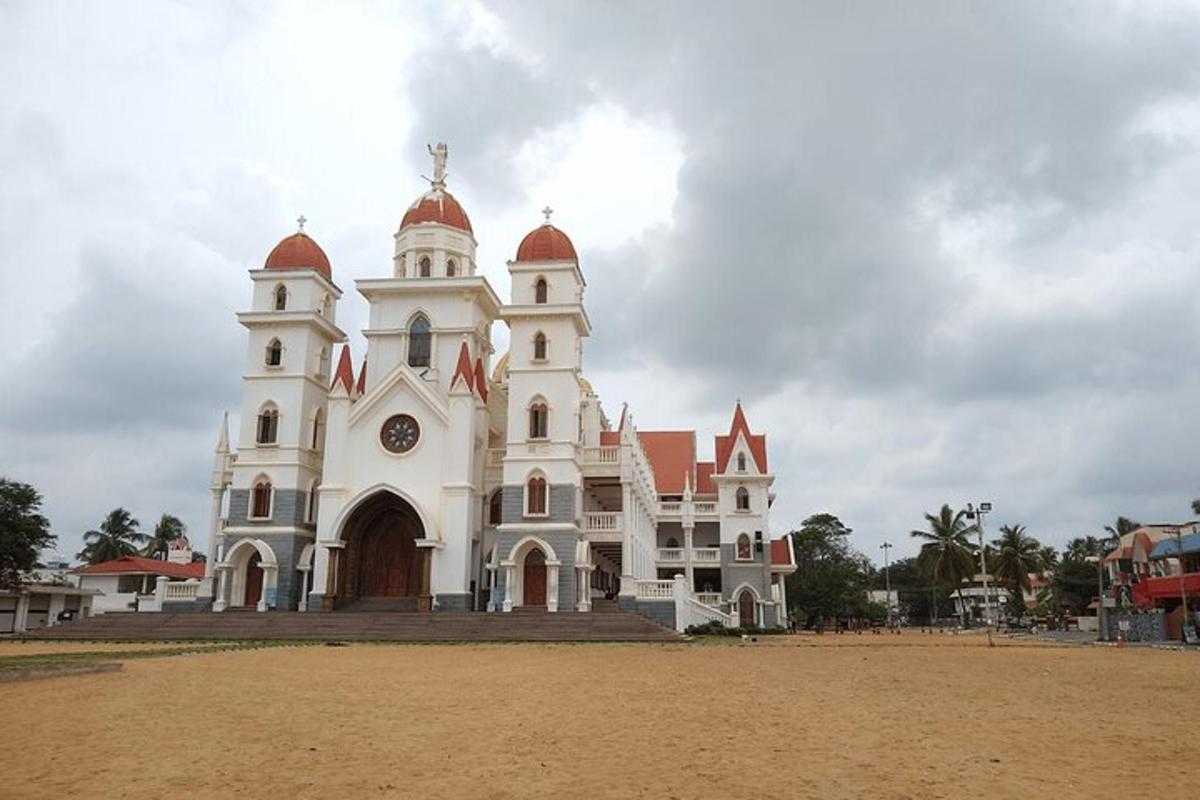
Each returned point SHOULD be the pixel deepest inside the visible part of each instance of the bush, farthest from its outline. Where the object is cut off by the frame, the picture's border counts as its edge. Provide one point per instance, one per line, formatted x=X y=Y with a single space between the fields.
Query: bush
x=717 y=629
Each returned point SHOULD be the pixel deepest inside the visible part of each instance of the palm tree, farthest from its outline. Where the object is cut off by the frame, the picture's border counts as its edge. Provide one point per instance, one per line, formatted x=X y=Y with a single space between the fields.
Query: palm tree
x=1018 y=554
x=168 y=529
x=1196 y=506
x=947 y=556
x=1115 y=532
x=118 y=537
x=1049 y=557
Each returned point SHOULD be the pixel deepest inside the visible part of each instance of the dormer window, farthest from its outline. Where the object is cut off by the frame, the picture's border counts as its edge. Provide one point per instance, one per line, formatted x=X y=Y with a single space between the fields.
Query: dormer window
x=540 y=290
x=275 y=353
x=451 y=268
x=539 y=347
x=743 y=499
x=280 y=297
x=741 y=462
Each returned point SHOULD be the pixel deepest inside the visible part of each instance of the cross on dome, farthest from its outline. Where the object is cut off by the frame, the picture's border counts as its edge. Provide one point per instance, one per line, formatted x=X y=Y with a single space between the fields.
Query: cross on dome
x=546 y=212
x=300 y=220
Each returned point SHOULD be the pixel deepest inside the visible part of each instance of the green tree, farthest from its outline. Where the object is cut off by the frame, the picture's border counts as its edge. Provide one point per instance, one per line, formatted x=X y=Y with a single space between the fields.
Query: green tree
x=118 y=537
x=918 y=599
x=1123 y=526
x=24 y=531
x=947 y=557
x=831 y=578
x=1017 y=555
x=168 y=530
x=1049 y=557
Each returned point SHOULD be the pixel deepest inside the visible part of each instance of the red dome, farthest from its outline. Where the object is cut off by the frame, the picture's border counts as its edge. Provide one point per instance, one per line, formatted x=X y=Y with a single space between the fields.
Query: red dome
x=440 y=207
x=546 y=243
x=299 y=251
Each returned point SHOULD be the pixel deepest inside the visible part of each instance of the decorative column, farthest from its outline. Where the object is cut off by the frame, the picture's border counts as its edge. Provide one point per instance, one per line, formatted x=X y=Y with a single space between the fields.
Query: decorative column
x=305 y=571
x=425 y=599
x=552 y=570
x=270 y=579
x=222 y=601
x=510 y=573
x=628 y=552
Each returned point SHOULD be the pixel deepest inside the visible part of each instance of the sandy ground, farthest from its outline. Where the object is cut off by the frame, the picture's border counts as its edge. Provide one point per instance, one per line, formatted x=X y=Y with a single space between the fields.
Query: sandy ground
x=36 y=648
x=801 y=717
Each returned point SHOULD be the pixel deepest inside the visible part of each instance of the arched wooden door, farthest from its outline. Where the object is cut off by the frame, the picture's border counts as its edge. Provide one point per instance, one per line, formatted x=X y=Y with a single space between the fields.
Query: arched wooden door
x=746 y=609
x=535 y=578
x=254 y=580
x=390 y=561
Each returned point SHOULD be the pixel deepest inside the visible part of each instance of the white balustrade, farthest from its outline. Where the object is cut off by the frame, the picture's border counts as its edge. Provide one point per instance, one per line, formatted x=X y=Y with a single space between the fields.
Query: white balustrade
x=690 y=610
x=602 y=520
x=670 y=554
x=707 y=507
x=706 y=555
x=609 y=454
x=670 y=508
x=181 y=591
x=655 y=590
x=712 y=599
x=495 y=457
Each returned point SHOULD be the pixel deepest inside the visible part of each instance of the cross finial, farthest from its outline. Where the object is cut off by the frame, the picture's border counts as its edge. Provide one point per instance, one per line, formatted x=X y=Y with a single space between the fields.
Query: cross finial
x=546 y=212
x=300 y=220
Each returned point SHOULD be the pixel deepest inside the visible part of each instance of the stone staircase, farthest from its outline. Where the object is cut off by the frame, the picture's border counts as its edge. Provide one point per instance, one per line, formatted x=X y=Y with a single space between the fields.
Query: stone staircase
x=379 y=626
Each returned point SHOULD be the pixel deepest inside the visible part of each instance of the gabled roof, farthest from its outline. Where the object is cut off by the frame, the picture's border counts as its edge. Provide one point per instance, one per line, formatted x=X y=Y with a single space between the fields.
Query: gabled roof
x=756 y=442
x=704 y=481
x=672 y=455
x=464 y=369
x=137 y=565
x=609 y=438
x=781 y=553
x=344 y=373
x=361 y=387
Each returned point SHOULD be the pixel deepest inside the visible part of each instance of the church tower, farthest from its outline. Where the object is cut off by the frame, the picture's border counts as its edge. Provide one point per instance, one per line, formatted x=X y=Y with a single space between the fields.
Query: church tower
x=542 y=489
x=272 y=503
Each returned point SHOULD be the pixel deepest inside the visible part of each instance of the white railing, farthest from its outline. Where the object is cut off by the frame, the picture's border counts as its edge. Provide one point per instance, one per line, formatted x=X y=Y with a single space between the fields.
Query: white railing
x=609 y=454
x=670 y=508
x=712 y=599
x=707 y=507
x=495 y=457
x=690 y=610
x=706 y=555
x=655 y=590
x=181 y=591
x=672 y=554
x=602 y=521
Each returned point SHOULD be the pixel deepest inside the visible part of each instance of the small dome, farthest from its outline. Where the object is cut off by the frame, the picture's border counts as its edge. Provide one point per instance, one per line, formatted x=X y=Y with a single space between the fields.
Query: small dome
x=299 y=251
x=437 y=206
x=546 y=243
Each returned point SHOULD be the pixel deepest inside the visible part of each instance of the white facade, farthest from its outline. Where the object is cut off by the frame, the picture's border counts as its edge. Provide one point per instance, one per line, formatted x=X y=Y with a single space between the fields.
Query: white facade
x=421 y=477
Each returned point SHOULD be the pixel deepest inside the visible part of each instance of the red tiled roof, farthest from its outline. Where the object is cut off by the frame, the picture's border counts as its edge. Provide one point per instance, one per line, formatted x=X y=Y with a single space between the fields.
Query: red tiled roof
x=362 y=378
x=463 y=369
x=299 y=251
x=672 y=454
x=345 y=373
x=756 y=442
x=481 y=384
x=610 y=438
x=546 y=243
x=139 y=565
x=439 y=207
x=781 y=553
x=704 y=481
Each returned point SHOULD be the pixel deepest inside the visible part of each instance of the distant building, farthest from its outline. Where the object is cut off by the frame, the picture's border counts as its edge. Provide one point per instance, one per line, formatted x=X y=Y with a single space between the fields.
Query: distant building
x=971 y=601
x=42 y=605
x=132 y=583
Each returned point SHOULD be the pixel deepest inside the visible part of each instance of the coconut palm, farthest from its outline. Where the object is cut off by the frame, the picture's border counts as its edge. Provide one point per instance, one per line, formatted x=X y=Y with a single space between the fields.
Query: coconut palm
x=118 y=537
x=1017 y=555
x=1049 y=557
x=1115 y=532
x=946 y=556
x=168 y=529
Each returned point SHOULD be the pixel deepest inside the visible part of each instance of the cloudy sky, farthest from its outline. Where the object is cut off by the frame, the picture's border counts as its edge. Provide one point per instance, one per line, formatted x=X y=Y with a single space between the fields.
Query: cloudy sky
x=942 y=251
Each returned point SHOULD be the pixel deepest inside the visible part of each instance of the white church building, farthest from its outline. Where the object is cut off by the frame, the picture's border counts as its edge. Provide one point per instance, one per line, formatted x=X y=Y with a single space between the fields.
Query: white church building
x=428 y=474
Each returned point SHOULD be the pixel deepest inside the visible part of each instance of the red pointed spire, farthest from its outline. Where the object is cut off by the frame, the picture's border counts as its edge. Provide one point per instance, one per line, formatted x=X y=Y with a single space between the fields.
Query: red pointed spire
x=345 y=373
x=481 y=384
x=739 y=421
x=756 y=442
x=463 y=370
x=362 y=378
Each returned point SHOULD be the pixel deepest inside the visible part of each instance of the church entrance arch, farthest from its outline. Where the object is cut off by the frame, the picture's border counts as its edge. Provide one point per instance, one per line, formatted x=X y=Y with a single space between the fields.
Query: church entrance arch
x=381 y=565
x=535 y=578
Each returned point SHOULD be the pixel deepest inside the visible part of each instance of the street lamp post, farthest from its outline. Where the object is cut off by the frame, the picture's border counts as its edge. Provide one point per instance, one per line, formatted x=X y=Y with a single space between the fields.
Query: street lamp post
x=887 y=582
x=977 y=515
x=1099 y=562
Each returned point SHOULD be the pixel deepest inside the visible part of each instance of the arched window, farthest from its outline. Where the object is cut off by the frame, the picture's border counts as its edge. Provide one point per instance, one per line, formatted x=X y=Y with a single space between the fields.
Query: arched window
x=743 y=499
x=268 y=425
x=419 y=341
x=317 y=429
x=535 y=497
x=539 y=291
x=260 y=507
x=743 y=547
x=741 y=462
x=672 y=542
x=274 y=353
x=539 y=346
x=451 y=268
x=280 y=297
x=494 y=507
x=539 y=421
x=425 y=268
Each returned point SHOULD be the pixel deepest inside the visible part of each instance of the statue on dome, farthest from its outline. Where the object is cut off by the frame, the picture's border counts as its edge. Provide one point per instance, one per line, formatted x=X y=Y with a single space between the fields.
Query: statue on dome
x=439 y=162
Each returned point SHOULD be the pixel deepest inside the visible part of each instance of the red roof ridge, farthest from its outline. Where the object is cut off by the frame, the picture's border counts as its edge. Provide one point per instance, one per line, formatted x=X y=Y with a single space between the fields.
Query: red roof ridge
x=361 y=387
x=757 y=443
x=480 y=380
x=345 y=373
x=463 y=369
x=143 y=564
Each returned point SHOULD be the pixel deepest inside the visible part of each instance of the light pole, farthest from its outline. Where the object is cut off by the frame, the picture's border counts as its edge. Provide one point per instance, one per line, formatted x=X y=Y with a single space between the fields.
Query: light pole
x=887 y=581
x=1099 y=562
x=977 y=515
